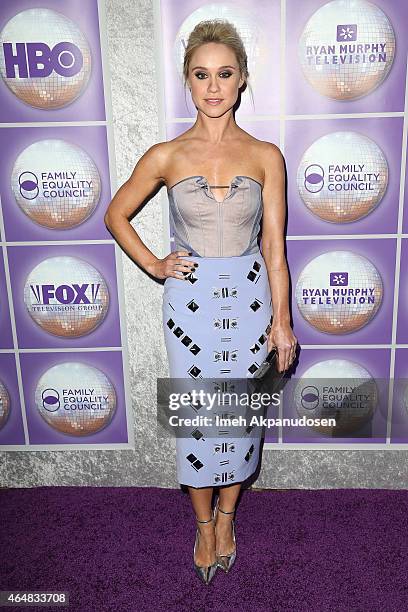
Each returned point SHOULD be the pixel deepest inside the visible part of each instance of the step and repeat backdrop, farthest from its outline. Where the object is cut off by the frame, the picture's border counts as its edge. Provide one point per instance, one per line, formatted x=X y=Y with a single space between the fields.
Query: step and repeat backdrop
x=329 y=88
x=63 y=360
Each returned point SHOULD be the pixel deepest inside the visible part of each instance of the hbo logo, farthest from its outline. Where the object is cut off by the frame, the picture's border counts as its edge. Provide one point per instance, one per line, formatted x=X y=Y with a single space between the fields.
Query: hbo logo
x=36 y=59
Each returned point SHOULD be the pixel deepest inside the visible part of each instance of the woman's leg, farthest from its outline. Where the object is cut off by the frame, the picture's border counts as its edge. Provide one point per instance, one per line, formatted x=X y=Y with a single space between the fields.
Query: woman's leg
x=201 y=502
x=227 y=500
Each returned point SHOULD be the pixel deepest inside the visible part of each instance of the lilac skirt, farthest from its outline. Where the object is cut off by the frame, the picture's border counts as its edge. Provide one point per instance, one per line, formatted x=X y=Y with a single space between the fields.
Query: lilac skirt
x=215 y=326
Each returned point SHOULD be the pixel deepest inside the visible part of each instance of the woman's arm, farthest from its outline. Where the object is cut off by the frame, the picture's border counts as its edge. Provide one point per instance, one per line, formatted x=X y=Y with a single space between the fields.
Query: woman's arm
x=145 y=178
x=273 y=244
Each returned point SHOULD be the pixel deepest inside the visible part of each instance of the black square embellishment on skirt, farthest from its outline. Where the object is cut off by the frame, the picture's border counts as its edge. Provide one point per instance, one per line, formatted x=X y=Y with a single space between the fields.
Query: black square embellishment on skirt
x=193 y=306
x=256 y=304
x=255 y=348
x=178 y=332
x=249 y=453
x=195 y=462
x=253 y=368
x=194 y=371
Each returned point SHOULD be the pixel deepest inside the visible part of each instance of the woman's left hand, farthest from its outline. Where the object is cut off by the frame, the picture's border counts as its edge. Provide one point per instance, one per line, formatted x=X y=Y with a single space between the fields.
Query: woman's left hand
x=282 y=337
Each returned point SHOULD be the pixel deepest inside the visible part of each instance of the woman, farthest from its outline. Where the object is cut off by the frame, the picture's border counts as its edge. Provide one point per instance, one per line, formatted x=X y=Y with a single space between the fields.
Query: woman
x=217 y=300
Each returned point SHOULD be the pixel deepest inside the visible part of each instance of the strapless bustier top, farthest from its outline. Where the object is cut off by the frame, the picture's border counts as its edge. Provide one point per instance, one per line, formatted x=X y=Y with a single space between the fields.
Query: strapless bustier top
x=208 y=228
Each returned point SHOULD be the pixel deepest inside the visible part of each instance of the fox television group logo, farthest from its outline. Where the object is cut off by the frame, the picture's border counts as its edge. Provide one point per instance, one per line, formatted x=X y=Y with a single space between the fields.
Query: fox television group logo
x=339 y=292
x=342 y=177
x=45 y=59
x=346 y=49
x=66 y=296
x=75 y=398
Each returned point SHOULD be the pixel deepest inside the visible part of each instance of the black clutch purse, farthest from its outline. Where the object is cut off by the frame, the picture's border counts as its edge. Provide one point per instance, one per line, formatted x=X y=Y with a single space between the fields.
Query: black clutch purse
x=267 y=379
x=270 y=363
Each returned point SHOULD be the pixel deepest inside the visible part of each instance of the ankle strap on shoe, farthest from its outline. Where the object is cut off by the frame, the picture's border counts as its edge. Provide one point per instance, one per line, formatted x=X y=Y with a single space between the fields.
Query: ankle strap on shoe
x=209 y=520
x=223 y=511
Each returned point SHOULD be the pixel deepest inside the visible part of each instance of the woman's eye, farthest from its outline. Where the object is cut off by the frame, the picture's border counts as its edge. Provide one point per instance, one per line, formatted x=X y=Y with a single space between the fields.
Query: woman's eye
x=201 y=75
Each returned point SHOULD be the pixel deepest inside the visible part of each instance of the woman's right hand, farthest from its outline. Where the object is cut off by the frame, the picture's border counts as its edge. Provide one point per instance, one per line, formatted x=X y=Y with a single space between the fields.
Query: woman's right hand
x=172 y=265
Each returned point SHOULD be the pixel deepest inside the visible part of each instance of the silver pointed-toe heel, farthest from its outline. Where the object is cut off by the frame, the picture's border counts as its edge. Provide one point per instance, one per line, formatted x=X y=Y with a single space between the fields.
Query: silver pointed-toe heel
x=205 y=572
x=225 y=562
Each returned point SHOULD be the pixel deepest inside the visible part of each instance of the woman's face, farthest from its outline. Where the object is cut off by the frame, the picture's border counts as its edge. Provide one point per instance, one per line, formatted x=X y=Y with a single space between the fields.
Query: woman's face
x=214 y=78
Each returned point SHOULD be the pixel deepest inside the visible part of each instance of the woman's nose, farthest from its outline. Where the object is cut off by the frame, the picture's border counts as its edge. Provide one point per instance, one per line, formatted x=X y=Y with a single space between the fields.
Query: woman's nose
x=213 y=86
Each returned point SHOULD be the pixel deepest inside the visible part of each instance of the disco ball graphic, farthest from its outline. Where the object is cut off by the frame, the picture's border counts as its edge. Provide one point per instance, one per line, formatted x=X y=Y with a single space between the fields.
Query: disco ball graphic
x=342 y=177
x=45 y=59
x=66 y=296
x=405 y=397
x=248 y=28
x=75 y=398
x=337 y=389
x=56 y=184
x=4 y=405
x=346 y=49
x=339 y=292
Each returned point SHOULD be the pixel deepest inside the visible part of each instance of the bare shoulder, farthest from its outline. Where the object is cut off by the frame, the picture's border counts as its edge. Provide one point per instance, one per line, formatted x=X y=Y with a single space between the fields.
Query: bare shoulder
x=268 y=156
x=272 y=160
x=177 y=153
x=269 y=152
x=158 y=153
x=153 y=162
x=164 y=152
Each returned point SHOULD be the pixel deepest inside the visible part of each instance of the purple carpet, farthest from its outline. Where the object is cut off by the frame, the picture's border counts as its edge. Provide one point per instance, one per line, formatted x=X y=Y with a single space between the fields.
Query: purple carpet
x=130 y=549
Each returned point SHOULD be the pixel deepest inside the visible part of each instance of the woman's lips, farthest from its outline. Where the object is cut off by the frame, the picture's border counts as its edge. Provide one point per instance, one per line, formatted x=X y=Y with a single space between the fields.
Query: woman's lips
x=213 y=101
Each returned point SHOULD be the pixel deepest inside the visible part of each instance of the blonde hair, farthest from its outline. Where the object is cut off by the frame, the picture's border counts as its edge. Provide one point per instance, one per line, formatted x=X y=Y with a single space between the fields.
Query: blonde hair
x=218 y=31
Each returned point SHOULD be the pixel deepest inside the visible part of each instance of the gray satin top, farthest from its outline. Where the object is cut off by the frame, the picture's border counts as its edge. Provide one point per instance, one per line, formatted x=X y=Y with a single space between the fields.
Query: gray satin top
x=210 y=228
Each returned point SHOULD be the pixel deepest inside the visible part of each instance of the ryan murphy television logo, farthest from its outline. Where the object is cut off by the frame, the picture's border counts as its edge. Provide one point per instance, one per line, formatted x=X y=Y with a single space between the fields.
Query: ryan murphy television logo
x=339 y=292
x=346 y=49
